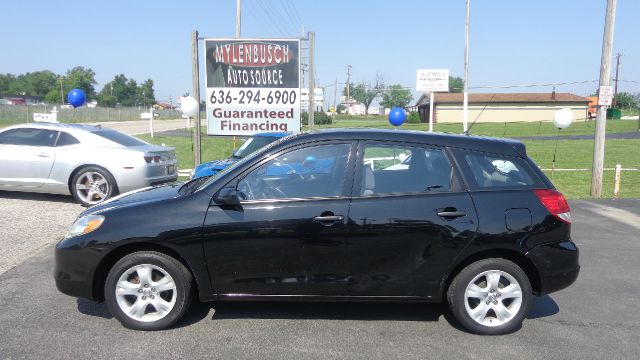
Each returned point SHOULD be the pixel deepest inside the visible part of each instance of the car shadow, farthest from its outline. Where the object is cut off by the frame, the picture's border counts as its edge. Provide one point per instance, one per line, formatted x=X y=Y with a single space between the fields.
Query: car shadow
x=37 y=197
x=542 y=307
x=91 y=308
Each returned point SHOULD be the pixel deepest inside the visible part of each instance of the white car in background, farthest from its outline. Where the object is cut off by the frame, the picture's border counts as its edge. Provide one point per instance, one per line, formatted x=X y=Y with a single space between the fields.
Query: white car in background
x=91 y=163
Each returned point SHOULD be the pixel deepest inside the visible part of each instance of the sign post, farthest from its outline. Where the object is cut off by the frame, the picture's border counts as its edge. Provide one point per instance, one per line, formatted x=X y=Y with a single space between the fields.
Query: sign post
x=432 y=80
x=252 y=85
x=605 y=95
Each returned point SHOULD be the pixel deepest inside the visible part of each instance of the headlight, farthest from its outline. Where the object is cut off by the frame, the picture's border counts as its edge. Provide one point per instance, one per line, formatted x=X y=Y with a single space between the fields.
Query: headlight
x=85 y=224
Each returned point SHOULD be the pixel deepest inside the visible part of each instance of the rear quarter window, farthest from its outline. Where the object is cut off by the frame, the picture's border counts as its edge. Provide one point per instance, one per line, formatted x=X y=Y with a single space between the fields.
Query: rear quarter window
x=489 y=171
x=118 y=137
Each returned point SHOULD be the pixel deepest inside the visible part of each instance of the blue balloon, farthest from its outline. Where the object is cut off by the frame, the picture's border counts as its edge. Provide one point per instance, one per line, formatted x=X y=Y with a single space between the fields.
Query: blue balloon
x=76 y=97
x=397 y=116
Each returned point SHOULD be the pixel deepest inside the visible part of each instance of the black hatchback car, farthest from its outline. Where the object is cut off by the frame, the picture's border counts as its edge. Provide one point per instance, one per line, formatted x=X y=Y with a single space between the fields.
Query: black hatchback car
x=356 y=215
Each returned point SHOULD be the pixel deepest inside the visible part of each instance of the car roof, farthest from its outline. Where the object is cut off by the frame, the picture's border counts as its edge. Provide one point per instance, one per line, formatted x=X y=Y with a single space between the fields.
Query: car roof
x=471 y=142
x=272 y=134
x=58 y=126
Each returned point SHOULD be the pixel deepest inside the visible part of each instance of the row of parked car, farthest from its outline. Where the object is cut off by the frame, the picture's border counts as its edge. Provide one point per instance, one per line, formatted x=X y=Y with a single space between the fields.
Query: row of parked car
x=332 y=215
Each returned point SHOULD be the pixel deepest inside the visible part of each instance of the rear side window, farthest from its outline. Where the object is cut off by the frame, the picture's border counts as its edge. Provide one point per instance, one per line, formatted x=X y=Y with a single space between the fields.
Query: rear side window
x=497 y=171
x=65 y=139
x=118 y=137
x=388 y=169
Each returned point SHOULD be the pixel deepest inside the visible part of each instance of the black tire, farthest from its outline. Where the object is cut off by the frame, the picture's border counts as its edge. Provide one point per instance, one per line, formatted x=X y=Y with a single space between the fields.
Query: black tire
x=86 y=177
x=461 y=306
x=176 y=270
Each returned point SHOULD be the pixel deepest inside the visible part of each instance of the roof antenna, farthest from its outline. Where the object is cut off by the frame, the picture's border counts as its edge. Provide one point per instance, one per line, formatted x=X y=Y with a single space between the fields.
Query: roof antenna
x=553 y=93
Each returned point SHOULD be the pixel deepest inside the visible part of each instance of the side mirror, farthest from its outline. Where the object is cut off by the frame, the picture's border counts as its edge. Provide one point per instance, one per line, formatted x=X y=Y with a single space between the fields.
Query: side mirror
x=227 y=198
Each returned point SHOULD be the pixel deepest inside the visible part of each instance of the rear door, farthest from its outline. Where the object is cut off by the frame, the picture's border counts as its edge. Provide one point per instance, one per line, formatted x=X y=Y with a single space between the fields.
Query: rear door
x=26 y=156
x=409 y=219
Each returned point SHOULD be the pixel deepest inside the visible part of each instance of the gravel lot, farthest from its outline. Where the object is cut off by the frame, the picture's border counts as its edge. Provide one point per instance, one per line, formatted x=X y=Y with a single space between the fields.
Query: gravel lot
x=596 y=318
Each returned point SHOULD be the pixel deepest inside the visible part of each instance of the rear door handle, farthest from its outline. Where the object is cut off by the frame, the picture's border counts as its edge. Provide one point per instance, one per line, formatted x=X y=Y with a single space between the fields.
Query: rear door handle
x=43 y=155
x=452 y=214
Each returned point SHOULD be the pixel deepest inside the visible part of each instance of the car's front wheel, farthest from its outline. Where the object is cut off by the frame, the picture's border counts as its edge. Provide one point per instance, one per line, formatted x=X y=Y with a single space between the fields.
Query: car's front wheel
x=148 y=290
x=490 y=296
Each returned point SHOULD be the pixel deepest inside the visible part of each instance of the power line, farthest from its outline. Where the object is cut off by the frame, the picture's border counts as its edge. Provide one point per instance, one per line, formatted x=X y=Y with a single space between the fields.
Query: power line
x=266 y=9
x=295 y=12
x=264 y=24
x=290 y=14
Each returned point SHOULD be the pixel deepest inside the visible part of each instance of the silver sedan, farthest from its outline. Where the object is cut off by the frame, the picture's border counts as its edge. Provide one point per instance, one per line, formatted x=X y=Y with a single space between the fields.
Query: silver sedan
x=92 y=163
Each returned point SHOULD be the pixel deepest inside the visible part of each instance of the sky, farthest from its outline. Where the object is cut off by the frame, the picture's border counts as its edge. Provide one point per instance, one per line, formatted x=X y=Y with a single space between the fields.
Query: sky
x=512 y=42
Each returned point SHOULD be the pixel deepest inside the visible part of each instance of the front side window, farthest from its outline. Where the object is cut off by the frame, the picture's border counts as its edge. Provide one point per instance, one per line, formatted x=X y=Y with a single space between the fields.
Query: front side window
x=404 y=169
x=490 y=170
x=311 y=172
x=29 y=137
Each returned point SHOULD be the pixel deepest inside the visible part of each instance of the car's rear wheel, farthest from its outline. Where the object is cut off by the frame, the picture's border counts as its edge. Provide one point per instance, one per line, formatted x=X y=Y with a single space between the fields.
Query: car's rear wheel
x=92 y=185
x=148 y=290
x=490 y=296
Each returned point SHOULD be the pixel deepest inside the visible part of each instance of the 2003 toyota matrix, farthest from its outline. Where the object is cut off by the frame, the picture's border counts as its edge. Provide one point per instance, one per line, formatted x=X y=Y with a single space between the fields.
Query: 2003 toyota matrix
x=356 y=215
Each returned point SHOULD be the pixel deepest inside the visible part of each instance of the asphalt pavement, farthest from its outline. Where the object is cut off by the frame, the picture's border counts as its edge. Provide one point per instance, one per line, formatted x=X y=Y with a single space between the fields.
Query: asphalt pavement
x=596 y=318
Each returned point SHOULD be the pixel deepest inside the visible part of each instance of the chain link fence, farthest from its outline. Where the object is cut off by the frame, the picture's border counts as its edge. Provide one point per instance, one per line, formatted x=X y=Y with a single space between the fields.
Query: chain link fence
x=16 y=114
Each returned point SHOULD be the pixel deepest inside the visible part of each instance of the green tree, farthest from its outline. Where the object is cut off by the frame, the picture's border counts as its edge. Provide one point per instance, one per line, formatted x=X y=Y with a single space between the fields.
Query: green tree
x=146 y=92
x=396 y=95
x=625 y=100
x=5 y=82
x=40 y=83
x=456 y=84
x=53 y=96
x=82 y=78
x=365 y=93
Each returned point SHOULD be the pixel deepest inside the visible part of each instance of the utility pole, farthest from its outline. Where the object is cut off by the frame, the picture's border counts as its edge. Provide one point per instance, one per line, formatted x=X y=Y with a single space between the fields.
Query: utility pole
x=195 y=73
x=238 y=17
x=348 y=85
x=62 y=92
x=335 y=96
x=312 y=81
x=465 y=98
x=615 y=91
x=601 y=115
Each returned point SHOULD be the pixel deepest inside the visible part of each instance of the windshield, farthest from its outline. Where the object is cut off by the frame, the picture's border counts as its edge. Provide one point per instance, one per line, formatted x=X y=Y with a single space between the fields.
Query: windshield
x=272 y=141
x=252 y=145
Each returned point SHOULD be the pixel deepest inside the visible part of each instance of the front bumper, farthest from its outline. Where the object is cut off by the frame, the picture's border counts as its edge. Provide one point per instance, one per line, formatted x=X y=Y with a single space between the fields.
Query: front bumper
x=557 y=265
x=74 y=269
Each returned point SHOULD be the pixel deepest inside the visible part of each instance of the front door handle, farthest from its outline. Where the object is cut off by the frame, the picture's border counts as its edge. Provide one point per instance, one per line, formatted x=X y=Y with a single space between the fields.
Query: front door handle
x=329 y=219
x=43 y=155
x=452 y=214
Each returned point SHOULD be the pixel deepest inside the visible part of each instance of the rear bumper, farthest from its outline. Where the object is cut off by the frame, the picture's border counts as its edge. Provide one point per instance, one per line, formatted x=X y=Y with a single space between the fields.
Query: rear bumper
x=557 y=264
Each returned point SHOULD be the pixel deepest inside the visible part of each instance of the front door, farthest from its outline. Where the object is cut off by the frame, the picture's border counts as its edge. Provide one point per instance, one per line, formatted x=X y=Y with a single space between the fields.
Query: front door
x=26 y=156
x=289 y=236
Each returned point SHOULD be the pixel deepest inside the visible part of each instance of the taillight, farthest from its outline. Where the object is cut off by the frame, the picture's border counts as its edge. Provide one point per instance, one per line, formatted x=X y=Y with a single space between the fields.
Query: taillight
x=149 y=159
x=556 y=203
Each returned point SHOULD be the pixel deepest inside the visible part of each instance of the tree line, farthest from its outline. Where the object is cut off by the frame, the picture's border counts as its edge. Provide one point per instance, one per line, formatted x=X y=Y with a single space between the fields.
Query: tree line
x=53 y=88
x=390 y=96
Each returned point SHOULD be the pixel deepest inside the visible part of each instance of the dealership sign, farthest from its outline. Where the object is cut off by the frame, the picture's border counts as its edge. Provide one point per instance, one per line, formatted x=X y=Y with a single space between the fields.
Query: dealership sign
x=253 y=85
x=432 y=80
